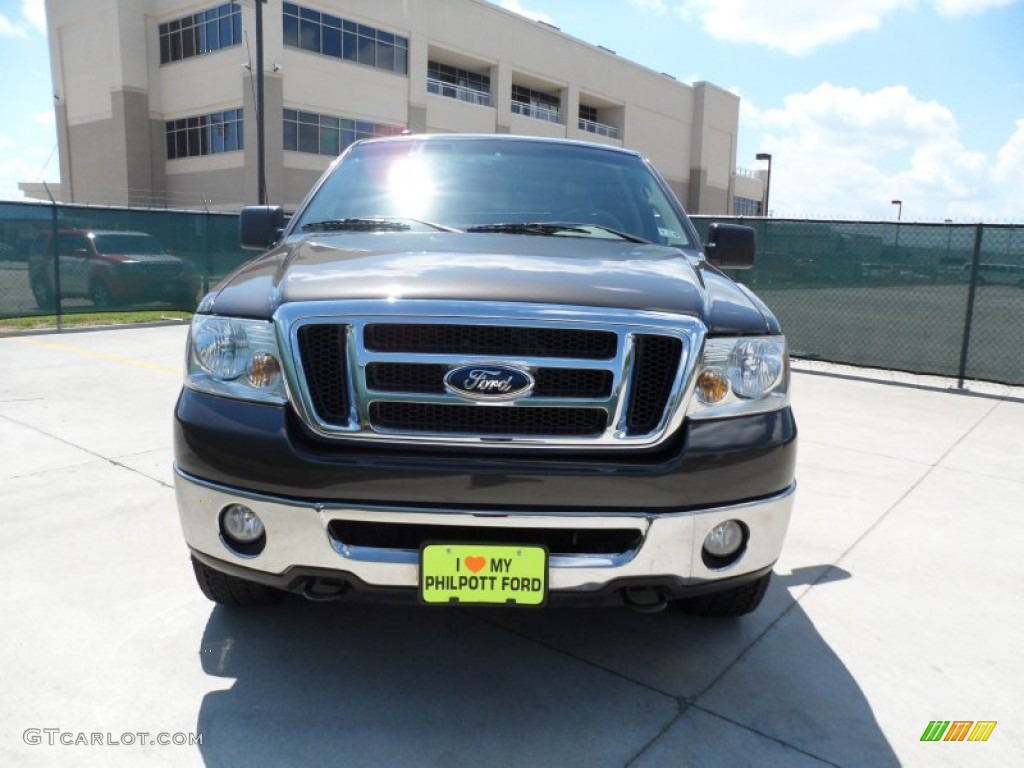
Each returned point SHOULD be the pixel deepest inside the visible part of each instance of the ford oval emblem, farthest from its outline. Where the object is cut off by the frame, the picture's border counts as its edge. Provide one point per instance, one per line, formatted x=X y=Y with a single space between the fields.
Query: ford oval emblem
x=488 y=381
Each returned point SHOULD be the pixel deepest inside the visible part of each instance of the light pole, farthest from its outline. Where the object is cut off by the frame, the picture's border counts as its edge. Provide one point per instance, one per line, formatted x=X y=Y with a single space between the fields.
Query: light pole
x=768 y=181
x=261 y=162
x=899 y=215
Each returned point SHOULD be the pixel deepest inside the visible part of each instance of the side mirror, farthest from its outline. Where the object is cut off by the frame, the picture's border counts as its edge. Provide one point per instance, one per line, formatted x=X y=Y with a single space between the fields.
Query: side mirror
x=260 y=226
x=730 y=246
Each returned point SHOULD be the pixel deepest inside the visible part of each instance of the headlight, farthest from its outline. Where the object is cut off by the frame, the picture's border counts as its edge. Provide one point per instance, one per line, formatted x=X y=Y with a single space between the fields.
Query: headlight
x=755 y=366
x=220 y=346
x=234 y=357
x=741 y=376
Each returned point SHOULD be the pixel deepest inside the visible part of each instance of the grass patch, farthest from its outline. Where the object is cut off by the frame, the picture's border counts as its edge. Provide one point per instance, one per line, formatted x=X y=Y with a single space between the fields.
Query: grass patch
x=90 y=319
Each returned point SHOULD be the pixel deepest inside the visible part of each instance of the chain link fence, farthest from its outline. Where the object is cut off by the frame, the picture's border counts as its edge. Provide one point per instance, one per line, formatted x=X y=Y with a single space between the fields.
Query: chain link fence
x=67 y=259
x=944 y=299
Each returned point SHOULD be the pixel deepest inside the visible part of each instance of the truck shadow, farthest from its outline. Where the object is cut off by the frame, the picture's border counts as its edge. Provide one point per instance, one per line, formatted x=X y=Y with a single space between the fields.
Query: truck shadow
x=319 y=684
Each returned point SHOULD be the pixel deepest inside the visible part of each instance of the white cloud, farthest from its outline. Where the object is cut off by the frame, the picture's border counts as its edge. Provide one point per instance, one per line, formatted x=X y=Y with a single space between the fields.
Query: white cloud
x=34 y=12
x=516 y=7
x=24 y=159
x=890 y=118
x=46 y=117
x=796 y=26
x=9 y=28
x=843 y=152
x=1009 y=166
x=957 y=8
x=657 y=6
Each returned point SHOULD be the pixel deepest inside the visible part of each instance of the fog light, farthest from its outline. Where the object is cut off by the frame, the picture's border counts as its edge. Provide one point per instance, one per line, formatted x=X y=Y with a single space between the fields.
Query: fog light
x=240 y=524
x=725 y=539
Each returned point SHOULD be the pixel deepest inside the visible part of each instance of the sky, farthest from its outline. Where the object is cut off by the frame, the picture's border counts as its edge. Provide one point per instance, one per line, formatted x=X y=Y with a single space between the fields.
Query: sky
x=859 y=102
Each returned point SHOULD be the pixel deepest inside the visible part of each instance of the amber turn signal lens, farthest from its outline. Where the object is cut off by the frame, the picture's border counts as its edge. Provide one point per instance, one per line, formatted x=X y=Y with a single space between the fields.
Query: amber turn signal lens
x=712 y=386
x=264 y=370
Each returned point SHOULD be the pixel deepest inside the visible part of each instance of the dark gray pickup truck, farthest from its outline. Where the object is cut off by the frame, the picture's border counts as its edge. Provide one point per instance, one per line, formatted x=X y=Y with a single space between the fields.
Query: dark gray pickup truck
x=486 y=370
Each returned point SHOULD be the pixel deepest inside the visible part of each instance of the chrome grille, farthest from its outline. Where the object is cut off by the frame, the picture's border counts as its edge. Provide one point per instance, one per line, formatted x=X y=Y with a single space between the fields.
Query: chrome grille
x=376 y=371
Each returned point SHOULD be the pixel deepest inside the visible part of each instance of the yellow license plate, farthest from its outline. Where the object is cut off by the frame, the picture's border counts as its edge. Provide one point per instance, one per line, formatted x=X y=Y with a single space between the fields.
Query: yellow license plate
x=483 y=574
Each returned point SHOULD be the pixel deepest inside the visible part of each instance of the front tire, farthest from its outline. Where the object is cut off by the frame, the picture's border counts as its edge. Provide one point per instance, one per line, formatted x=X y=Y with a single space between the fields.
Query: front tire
x=99 y=292
x=728 y=603
x=42 y=292
x=231 y=590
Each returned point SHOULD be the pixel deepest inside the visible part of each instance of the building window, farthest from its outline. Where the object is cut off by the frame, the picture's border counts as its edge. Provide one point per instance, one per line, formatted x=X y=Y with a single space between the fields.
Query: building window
x=327 y=135
x=204 y=134
x=543 y=106
x=588 y=122
x=332 y=36
x=458 y=84
x=745 y=206
x=203 y=32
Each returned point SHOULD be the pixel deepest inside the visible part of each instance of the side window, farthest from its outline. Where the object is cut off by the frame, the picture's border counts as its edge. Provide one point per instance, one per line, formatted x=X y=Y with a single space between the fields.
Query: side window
x=67 y=245
x=40 y=245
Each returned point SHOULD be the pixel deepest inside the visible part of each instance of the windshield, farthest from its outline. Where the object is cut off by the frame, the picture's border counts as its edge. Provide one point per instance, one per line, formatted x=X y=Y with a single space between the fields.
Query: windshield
x=475 y=183
x=136 y=245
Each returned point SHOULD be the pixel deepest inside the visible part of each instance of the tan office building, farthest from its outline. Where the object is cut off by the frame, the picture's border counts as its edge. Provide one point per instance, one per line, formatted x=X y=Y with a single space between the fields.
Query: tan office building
x=155 y=99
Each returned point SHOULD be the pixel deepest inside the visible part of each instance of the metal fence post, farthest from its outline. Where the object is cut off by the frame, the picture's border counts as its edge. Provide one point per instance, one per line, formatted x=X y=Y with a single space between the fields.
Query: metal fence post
x=55 y=249
x=55 y=252
x=207 y=266
x=969 y=313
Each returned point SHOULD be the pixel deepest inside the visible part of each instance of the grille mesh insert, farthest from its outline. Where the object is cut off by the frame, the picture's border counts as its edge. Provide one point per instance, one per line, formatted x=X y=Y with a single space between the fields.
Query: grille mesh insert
x=559 y=541
x=435 y=418
x=322 y=348
x=421 y=378
x=495 y=340
x=573 y=382
x=654 y=370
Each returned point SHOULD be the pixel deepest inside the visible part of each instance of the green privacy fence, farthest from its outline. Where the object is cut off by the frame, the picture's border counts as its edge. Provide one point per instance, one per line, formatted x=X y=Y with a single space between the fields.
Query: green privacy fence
x=943 y=299
x=68 y=259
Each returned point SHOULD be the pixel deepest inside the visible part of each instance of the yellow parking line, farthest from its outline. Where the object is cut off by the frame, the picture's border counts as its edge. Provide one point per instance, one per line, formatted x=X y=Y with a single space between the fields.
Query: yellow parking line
x=102 y=356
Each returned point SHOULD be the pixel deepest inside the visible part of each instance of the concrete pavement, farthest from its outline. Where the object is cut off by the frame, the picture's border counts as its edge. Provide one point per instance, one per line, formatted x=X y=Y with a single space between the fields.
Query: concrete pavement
x=897 y=602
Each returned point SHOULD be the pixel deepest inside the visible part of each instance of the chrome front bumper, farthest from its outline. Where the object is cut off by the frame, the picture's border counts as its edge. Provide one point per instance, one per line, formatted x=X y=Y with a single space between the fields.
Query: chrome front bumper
x=297 y=537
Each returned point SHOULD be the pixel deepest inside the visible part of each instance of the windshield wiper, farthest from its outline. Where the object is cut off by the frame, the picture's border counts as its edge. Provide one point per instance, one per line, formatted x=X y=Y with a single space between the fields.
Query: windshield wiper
x=527 y=228
x=374 y=224
x=356 y=225
x=553 y=229
x=432 y=224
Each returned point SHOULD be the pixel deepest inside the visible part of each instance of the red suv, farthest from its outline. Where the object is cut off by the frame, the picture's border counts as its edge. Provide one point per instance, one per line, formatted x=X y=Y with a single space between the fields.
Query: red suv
x=110 y=268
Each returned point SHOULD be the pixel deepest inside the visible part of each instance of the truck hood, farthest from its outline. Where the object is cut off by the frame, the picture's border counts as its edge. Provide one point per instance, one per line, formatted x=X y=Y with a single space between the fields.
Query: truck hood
x=487 y=267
